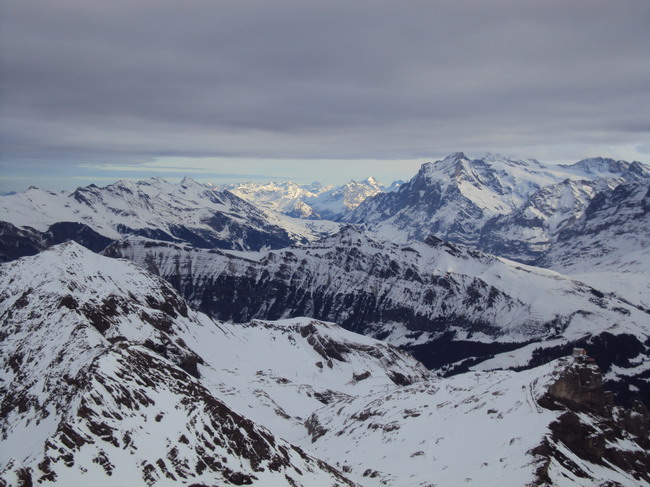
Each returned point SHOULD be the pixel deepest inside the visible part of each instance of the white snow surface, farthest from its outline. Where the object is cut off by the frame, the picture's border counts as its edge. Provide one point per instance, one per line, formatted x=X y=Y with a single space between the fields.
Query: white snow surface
x=519 y=301
x=308 y=201
x=118 y=403
x=152 y=204
x=456 y=197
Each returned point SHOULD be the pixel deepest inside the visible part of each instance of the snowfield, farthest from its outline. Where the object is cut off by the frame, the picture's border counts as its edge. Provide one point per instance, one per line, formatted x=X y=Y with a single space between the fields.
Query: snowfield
x=158 y=334
x=113 y=378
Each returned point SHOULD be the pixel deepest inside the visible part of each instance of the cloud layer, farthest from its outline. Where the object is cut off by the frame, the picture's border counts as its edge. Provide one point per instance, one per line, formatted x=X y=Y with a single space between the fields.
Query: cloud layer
x=133 y=81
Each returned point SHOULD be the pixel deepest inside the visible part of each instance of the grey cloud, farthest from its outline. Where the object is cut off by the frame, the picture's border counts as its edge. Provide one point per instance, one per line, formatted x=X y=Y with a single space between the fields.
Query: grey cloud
x=108 y=81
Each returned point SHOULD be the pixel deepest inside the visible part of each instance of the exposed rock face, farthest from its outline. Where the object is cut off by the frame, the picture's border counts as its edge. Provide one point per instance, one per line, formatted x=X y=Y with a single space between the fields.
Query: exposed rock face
x=593 y=429
x=16 y=242
x=581 y=387
x=443 y=302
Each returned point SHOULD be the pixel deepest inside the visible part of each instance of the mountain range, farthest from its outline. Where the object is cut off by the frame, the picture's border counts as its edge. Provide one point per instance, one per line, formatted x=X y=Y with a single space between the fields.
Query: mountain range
x=185 y=212
x=284 y=334
x=313 y=201
x=132 y=386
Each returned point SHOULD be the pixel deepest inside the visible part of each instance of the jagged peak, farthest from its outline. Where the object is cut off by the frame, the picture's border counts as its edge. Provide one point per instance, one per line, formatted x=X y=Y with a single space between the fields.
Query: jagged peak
x=453 y=162
x=490 y=157
x=188 y=182
x=371 y=181
x=456 y=156
x=595 y=165
x=69 y=248
x=124 y=183
x=639 y=169
x=155 y=180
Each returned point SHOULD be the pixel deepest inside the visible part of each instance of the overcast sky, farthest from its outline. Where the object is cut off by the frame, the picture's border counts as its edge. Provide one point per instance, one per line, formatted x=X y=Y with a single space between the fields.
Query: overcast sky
x=96 y=91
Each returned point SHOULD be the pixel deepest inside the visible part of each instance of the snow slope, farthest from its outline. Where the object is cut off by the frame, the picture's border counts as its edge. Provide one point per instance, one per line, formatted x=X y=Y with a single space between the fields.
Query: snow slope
x=188 y=211
x=447 y=304
x=313 y=201
x=504 y=206
x=99 y=386
x=475 y=429
x=133 y=387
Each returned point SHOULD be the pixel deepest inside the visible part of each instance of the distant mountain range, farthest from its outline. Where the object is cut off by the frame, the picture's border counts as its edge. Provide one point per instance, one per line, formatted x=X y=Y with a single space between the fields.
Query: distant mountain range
x=282 y=334
x=186 y=212
x=313 y=201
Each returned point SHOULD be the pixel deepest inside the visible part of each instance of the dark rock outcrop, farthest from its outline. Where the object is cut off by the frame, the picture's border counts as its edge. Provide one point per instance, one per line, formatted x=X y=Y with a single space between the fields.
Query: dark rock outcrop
x=16 y=242
x=592 y=428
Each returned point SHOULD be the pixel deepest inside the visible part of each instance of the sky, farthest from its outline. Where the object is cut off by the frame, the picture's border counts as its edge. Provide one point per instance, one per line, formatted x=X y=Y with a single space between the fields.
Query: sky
x=226 y=91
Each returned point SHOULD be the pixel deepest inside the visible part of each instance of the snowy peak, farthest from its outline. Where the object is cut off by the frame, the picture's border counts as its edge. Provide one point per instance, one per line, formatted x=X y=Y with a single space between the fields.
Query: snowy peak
x=188 y=182
x=458 y=164
x=451 y=198
x=336 y=202
x=458 y=199
x=499 y=159
x=189 y=211
x=117 y=391
x=313 y=201
x=371 y=181
x=453 y=165
x=600 y=166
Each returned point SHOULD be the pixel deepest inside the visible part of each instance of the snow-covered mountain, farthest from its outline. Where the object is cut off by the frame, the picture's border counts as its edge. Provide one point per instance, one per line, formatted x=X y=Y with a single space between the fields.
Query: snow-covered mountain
x=284 y=197
x=472 y=429
x=313 y=201
x=101 y=387
x=530 y=230
x=451 y=306
x=109 y=378
x=609 y=245
x=184 y=212
x=453 y=198
x=509 y=207
x=336 y=202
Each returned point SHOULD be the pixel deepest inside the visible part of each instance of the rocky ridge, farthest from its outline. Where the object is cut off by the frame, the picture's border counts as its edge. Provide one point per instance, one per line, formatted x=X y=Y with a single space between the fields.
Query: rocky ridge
x=132 y=386
x=451 y=306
